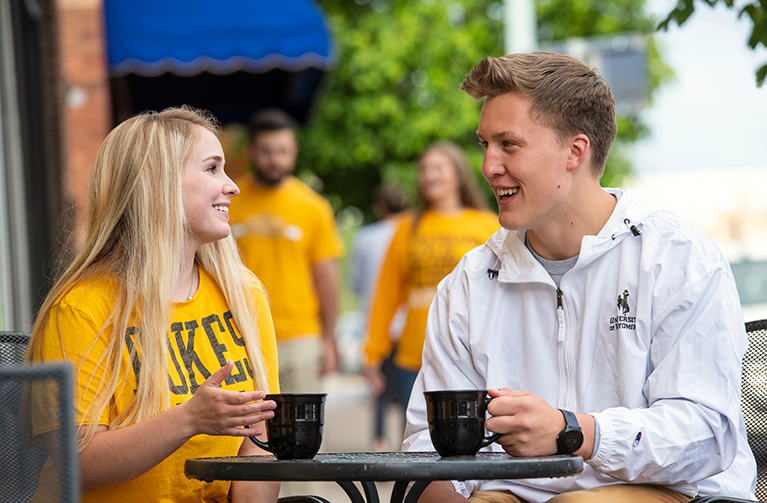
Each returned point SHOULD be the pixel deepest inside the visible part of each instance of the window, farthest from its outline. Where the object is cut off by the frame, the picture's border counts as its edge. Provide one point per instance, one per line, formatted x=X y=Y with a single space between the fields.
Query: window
x=751 y=278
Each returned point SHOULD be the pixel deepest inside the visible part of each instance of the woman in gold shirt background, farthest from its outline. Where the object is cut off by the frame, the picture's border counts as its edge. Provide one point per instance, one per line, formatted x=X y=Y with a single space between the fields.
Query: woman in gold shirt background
x=451 y=219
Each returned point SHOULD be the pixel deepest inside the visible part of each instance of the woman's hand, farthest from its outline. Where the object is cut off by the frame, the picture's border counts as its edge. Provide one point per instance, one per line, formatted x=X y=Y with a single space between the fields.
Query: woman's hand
x=376 y=379
x=116 y=456
x=214 y=411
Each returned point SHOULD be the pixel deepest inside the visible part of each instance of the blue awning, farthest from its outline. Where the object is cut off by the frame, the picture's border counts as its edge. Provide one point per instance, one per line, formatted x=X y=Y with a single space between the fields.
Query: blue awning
x=186 y=37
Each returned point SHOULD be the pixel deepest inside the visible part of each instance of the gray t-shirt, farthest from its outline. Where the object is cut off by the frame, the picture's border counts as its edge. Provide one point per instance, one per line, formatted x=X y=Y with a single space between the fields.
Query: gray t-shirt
x=555 y=268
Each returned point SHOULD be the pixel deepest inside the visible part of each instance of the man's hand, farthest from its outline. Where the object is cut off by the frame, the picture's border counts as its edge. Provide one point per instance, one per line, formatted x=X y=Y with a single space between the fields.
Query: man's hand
x=528 y=424
x=330 y=359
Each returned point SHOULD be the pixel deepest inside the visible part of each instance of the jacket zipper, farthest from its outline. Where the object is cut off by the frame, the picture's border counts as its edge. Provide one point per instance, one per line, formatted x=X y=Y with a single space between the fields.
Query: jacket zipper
x=563 y=367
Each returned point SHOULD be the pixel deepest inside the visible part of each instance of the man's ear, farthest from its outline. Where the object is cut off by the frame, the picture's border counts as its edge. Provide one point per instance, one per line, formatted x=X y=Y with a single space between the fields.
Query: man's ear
x=580 y=146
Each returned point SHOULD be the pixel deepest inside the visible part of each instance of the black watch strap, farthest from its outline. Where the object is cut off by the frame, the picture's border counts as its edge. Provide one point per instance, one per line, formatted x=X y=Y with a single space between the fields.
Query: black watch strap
x=570 y=439
x=570 y=419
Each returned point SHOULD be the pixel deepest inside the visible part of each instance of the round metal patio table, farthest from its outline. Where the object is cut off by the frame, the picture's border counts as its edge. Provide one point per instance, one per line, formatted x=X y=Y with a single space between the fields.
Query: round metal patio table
x=421 y=468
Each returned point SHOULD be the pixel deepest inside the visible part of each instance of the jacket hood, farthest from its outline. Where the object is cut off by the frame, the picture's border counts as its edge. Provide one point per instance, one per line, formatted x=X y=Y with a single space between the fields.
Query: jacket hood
x=518 y=264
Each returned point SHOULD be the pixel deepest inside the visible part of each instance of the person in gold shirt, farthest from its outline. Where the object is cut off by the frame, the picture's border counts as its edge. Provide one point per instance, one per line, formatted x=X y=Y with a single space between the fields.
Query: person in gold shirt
x=427 y=245
x=169 y=334
x=288 y=238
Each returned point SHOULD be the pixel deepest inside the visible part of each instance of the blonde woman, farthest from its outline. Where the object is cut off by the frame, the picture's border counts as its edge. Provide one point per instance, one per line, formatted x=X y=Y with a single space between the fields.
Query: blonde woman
x=170 y=336
x=451 y=220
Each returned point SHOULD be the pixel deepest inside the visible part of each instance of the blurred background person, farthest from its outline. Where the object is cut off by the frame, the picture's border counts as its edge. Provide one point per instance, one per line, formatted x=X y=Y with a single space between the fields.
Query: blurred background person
x=372 y=241
x=370 y=246
x=451 y=219
x=289 y=239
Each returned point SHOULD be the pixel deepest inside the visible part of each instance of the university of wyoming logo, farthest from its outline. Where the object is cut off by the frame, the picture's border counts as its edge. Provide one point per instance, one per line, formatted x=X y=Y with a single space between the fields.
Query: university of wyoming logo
x=623 y=302
x=623 y=322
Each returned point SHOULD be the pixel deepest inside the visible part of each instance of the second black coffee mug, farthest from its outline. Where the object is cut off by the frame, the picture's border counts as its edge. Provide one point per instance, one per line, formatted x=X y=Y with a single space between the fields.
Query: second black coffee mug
x=295 y=431
x=457 y=421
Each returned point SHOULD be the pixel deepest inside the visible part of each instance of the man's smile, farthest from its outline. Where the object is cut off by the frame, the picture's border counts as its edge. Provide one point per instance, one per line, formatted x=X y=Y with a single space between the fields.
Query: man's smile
x=505 y=193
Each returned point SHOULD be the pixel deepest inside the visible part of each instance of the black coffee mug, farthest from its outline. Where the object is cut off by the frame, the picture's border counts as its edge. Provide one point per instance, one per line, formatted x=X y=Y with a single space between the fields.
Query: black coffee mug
x=295 y=431
x=457 y=421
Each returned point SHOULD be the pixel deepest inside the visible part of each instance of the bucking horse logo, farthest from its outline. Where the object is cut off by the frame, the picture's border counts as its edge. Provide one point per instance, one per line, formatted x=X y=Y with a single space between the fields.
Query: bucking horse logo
x=623 y=302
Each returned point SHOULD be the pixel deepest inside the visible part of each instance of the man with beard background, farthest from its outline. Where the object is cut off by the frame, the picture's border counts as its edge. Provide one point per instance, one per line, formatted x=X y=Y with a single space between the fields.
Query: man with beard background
x=288 y=238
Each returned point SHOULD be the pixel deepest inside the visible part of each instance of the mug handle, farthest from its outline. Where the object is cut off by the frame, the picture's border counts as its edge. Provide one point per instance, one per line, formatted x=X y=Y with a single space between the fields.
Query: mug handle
x=495 y=436
x=485 y=442
x=259 y=443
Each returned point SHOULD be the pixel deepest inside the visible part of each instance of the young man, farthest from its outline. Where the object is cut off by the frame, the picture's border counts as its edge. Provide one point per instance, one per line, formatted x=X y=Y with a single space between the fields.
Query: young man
x=288 y=238
x=603 y=327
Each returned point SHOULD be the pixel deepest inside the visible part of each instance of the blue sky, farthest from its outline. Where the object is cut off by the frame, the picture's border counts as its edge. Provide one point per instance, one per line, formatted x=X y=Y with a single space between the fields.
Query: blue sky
x=712 y=115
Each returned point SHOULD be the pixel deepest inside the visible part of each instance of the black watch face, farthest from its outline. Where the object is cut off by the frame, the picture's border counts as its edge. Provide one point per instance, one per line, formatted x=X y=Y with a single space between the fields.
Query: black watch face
x=571 y=441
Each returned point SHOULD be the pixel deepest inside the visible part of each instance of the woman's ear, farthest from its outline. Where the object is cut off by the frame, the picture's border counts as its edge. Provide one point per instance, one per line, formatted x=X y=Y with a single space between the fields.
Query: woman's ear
x=580 y=146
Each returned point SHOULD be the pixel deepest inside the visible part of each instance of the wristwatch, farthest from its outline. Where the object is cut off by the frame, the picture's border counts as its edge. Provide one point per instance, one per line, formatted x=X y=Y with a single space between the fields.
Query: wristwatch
x=570 y=439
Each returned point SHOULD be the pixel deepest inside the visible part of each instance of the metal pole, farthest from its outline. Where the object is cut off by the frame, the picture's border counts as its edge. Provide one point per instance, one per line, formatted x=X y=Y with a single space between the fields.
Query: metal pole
x=15 y=276
x=520 y=26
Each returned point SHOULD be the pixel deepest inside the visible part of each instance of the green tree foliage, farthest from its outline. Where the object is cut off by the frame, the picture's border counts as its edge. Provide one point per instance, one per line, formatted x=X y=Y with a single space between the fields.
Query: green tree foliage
x=756 y=12
x=395 y=89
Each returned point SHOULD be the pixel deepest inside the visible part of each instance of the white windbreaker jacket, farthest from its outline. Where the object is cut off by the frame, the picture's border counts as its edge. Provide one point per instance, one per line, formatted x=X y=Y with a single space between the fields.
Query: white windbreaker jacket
x=647 y=335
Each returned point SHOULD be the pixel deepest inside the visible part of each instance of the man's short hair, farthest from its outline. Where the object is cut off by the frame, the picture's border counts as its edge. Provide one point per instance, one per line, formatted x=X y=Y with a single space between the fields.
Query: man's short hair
x=270 y=119
x=566 y=95
x=392 y=197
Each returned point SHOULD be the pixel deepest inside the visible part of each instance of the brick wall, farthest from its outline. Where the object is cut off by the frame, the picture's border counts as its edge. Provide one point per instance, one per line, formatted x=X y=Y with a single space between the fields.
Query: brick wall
x=87 y=114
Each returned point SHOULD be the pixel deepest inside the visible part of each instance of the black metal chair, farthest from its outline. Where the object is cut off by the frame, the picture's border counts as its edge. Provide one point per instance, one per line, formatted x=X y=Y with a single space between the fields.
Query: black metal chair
x=13 y=347
x=38 y=445
x=303 y=499
x=754 y=405
x=720 y=499
x=754 y=399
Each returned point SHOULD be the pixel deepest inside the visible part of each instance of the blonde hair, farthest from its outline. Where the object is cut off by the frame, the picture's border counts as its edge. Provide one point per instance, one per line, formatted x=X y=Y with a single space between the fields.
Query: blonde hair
x=134 y=233
x=566 y=95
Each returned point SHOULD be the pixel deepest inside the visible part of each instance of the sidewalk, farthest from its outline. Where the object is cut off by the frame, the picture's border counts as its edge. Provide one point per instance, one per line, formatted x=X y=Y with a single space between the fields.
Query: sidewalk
x=348 y=427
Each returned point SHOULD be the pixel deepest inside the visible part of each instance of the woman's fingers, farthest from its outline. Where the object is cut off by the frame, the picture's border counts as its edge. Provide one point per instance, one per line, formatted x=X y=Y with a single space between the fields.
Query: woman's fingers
x=230 y=421
x=250 y=415
x=246 y=403
x=217 y=377
x=215 y=411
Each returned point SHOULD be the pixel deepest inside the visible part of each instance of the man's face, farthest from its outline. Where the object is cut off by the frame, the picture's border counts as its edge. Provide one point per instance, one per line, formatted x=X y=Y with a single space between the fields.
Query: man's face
x=273 y=156
x=525 y=164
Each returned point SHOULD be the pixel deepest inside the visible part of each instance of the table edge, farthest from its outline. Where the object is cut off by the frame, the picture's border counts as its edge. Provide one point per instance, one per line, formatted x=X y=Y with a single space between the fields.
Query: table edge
x=237 y=468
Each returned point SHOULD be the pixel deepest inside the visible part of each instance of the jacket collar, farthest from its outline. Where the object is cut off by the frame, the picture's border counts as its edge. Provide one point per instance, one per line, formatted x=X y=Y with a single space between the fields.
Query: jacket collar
x=518 y=264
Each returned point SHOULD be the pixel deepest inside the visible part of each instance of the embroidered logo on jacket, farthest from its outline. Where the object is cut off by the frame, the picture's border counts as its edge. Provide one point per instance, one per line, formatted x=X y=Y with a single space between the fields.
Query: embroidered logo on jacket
x=623 y=302
x=623 y=322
